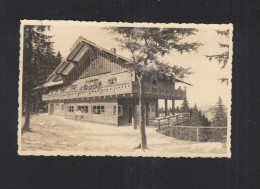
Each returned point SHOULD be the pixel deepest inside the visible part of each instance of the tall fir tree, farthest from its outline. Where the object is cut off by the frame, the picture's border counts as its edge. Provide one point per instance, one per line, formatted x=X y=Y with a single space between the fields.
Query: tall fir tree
x=198 y=118
x=177 y=109
x=220 y=117
x=185 y=106
x=38 y=62
x=223 y=57
x=191 y=112
x=195 y=110
x=59 y=57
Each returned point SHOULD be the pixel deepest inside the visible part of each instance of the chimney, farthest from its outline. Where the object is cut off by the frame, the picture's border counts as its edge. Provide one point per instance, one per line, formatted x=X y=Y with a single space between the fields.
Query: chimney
x=113 y=50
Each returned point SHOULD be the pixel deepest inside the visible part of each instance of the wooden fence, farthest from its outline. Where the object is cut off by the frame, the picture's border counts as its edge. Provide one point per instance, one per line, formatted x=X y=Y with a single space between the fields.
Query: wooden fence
x=177 y=126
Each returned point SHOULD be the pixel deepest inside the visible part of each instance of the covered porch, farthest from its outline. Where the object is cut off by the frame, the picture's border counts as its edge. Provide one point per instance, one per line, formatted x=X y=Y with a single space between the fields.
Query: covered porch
x=155 y=108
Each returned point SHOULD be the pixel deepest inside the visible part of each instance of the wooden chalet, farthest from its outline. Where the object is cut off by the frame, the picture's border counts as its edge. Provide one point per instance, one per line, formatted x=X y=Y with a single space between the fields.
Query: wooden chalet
x=95 y=81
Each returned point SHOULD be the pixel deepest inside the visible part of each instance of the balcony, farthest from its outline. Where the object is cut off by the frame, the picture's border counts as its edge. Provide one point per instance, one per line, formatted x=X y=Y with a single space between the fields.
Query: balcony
x=122 y=88
x=101 y=91
x=178 y=94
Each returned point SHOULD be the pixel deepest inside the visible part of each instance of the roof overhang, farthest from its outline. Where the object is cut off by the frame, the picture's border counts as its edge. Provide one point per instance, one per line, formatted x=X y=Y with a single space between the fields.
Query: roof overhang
x=48 y=84
x=78 y=50
x=178 y=80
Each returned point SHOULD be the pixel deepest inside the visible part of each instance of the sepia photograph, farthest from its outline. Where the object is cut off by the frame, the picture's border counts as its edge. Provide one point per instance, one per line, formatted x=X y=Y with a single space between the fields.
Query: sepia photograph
x=125 y=89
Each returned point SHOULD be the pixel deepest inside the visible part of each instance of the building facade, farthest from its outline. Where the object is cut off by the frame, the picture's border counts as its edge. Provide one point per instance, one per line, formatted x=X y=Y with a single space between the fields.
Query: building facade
x=94 y=83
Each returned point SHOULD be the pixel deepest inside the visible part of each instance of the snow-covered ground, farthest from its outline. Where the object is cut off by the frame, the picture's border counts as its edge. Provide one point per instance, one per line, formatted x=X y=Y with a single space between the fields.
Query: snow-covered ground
x=52 y=133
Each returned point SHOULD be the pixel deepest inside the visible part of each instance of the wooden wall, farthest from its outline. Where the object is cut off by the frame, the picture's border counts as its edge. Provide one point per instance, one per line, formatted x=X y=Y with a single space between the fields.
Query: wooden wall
x=160 y=83
x=107 y=118
x=100 y=63
x=57 y=111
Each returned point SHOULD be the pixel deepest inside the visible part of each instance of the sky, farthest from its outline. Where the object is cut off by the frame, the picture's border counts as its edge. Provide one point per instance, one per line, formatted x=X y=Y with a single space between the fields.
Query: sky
x=206 y=87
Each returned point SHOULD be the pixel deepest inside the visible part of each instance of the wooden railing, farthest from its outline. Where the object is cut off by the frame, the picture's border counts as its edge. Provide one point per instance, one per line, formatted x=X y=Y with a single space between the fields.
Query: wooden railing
x=164 y=123
x=131 y=87
x=101 y=91
x=178 y=94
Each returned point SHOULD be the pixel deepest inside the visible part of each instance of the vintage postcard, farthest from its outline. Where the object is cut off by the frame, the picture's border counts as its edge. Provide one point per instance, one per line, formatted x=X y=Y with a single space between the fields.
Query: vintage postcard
x=125 y=89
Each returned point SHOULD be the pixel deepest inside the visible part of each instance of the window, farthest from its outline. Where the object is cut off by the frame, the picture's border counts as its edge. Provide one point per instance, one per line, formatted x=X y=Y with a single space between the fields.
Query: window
x=92 y=84
x=120 y=110
x=94 y=109
x=83 y=109
x=57 y=105
x=94 y=81
x=62 y=107
x=71 y=108
x=114 y=110
x=154 y=81
x=98 y=109
x=112 y=81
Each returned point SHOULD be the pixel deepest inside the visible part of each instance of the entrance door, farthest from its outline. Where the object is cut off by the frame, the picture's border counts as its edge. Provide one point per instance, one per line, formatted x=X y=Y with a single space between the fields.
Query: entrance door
x=51 y=109
x=130 y=113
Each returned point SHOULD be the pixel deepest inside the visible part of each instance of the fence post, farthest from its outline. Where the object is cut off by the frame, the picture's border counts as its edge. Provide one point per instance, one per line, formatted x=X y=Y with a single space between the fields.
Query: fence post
x=177 y=120
x=159 y=126
x=198 y=135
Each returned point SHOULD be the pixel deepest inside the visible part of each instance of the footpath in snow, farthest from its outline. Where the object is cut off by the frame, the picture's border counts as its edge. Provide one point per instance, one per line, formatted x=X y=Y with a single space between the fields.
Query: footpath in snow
x=52 y=133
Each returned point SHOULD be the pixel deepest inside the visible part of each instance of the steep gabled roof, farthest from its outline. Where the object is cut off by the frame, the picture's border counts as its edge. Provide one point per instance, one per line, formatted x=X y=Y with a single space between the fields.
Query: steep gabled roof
x=80 y=47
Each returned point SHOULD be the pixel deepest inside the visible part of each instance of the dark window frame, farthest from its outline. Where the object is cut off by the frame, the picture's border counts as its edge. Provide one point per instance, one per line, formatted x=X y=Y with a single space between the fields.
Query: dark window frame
x=114 y=109
x=98 y=109
x=84 y=108
x=71 y=108
x=112 y=81
x=154 y=81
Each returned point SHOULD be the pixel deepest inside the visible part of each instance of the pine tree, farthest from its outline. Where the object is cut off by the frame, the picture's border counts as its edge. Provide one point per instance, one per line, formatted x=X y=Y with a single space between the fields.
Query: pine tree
x=204 y=120
x=223 y=57
x=198 y=118
x=195 y=110
x=191 y=112
x=185 y=106
x=199 y=114
x=38 y=62
x=59 y=57
x=177 y=109
x=195 y=120
x=220 y=117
